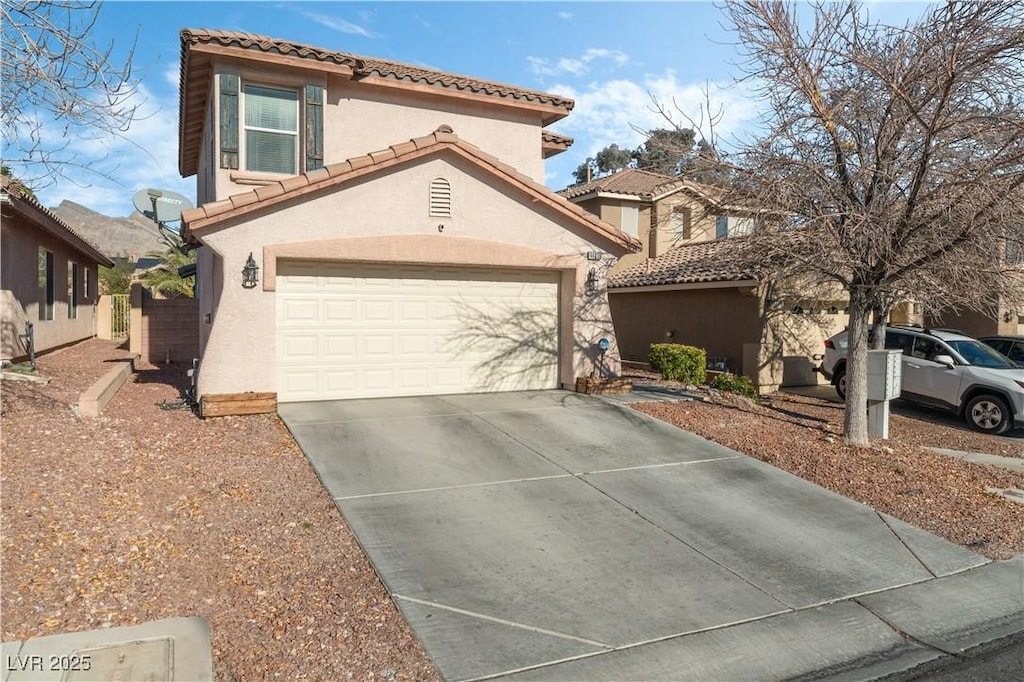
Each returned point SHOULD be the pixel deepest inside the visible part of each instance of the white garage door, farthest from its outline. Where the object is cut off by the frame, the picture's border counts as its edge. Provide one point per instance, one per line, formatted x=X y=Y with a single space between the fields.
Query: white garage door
x=374 y=331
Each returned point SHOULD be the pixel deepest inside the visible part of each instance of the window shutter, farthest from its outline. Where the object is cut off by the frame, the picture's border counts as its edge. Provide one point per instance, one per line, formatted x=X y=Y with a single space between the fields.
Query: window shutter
x=314 y=127
x=229 y=121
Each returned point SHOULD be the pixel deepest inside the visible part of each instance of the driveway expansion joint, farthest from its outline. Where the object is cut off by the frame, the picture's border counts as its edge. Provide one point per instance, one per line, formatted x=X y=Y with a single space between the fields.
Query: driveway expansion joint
x=905 y=545
x=502 y=621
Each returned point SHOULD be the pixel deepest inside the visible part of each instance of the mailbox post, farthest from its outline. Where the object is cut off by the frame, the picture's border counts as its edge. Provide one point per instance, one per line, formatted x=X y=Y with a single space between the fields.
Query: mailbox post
x=885 y=374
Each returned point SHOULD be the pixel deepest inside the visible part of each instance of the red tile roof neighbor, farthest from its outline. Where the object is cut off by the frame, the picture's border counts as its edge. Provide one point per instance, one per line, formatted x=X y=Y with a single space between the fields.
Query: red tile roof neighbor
x=640 y=183
x=198 y=44
x=686 y=264
x=196 y=220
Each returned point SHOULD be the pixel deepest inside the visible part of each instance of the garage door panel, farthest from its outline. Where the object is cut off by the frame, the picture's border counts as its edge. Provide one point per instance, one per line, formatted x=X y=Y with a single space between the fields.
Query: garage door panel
x=339 y=310
x=338 y=383
x=339 y=346
x=301 y=347
x=373 y=331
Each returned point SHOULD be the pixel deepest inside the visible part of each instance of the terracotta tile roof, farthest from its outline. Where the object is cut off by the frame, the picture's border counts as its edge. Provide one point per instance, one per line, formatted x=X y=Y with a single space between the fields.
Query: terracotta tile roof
x=22 y=201
x=686 y=264
x=553 y=143
x=192 y=98
x=640 y=183
x=198 y=219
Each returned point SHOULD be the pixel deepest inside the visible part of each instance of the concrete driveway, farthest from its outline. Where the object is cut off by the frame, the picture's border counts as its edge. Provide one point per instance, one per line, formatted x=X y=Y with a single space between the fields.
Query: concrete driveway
x=551 y=535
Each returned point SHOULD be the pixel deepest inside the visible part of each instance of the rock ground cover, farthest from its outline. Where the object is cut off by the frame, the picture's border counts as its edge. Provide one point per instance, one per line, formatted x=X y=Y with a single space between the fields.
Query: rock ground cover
x=147 y=513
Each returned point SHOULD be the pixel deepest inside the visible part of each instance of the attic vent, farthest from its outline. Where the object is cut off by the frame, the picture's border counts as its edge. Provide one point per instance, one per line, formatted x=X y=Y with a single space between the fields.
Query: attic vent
x=440 y=198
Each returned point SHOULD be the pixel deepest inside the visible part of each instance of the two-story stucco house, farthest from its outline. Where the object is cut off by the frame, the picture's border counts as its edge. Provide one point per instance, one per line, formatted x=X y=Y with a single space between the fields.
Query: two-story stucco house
x=392 y=226
x=48 y=276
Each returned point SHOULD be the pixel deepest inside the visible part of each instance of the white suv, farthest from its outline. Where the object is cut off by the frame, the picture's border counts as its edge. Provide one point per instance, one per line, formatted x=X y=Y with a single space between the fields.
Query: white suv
x=947 y=370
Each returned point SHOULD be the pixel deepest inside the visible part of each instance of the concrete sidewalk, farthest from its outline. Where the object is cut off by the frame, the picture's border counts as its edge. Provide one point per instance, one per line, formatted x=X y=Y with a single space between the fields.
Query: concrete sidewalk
x=549 y=535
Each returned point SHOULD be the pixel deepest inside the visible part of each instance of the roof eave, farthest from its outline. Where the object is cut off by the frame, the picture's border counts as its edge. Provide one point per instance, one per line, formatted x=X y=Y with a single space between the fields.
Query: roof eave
x=683 y=286
x=62 y=232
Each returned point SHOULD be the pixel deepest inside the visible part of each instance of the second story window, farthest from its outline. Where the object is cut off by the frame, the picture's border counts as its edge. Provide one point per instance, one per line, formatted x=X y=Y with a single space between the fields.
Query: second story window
x=631 y=220
x=271 y=129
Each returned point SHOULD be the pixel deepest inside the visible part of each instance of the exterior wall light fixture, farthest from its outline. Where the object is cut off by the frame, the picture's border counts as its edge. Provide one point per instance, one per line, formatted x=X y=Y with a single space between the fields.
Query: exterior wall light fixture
x=591 y=284
x=250 y=273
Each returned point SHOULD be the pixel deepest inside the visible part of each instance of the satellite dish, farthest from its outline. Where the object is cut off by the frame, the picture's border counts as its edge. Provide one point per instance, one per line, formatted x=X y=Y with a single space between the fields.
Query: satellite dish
x=160 y=205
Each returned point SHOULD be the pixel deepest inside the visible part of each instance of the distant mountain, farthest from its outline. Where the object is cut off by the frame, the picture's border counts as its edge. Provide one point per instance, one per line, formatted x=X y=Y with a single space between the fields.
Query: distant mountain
x=129 y=237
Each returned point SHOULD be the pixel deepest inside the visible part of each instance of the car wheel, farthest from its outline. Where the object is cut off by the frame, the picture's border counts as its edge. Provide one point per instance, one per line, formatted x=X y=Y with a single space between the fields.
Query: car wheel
x=988 y=414
x=840 y=382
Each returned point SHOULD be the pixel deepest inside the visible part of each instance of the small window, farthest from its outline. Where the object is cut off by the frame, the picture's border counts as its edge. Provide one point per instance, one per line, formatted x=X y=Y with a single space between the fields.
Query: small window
x=721 y=227
x=46 y=284
x=631 y=220
x=73 y=295
x=681 y=220
x=85 y=284
x=271 y=129
x=440 y=198
x=731 y=226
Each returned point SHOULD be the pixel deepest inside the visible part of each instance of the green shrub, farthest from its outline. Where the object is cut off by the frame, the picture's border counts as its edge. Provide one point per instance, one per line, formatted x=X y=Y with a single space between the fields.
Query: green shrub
x=735 y=383
x=679 y=362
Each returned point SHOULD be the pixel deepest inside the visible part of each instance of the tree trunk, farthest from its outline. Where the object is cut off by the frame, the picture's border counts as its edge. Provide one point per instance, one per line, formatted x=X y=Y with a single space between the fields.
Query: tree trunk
x=881 y=315
x=855 y=418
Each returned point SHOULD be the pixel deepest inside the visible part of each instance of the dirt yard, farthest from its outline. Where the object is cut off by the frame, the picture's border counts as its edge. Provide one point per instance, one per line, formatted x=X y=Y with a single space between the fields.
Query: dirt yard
x=148 y=513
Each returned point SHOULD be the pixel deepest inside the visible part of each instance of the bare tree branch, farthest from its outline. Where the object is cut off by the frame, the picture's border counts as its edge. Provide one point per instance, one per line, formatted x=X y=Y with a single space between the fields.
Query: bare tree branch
x=59 y=88
x=897 y=150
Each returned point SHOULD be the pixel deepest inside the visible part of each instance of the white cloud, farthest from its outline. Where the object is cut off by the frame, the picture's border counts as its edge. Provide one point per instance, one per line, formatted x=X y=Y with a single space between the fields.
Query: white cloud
x=172 y=74
x=575 y=66
x=618 y=111
x=340 y=25
x=565 y=15
x=114 y=167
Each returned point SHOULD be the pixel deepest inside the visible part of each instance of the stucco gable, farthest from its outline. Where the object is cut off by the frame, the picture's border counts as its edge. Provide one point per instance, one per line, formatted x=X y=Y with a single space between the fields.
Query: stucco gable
x=196 y=222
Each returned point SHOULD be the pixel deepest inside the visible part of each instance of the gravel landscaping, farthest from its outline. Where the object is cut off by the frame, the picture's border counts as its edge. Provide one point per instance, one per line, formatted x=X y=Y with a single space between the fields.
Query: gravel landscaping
x=898 y=476
x=147 y=513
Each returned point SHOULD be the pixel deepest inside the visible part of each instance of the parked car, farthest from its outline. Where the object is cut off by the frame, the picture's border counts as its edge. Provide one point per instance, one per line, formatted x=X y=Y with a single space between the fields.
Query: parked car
x=1010 y=346
x=946 y=370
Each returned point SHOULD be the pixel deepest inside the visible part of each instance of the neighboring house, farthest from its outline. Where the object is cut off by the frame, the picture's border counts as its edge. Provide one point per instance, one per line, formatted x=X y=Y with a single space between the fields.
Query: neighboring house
x=696 y=295
x=683 y=287
x=661 y=211
x=48 y=276
x=429 y=262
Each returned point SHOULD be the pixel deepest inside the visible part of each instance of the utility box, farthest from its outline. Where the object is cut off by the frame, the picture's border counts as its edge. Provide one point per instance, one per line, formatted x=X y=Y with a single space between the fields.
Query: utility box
x=885 y=374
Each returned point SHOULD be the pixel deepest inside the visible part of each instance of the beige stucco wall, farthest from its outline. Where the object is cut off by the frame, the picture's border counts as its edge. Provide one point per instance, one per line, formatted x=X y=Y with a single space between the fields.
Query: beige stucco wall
x=386 y=219
x=976 y=324
x=360 y=118
x=22 y=297
x=656 y=230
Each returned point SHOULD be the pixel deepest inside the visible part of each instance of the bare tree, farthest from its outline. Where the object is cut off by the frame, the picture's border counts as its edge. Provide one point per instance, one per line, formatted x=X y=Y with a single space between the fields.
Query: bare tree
x=58 y=87
x=898 y=153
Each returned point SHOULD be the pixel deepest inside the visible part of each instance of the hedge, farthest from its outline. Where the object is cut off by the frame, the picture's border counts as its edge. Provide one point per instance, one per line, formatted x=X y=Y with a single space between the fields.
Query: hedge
x=679 y=362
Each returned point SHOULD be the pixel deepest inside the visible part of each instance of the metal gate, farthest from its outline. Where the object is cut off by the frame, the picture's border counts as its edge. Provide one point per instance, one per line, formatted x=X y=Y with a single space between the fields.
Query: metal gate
x=120 y=315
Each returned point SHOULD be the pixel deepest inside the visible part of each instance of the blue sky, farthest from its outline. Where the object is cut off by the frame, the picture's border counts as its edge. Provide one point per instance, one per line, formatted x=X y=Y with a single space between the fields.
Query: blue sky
x=609 y=56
